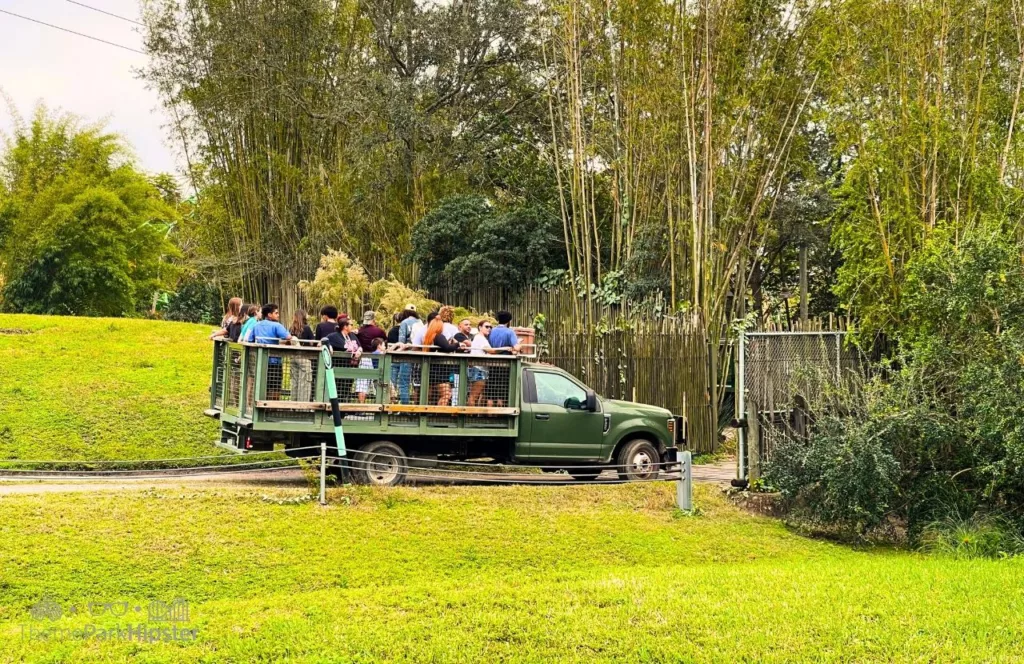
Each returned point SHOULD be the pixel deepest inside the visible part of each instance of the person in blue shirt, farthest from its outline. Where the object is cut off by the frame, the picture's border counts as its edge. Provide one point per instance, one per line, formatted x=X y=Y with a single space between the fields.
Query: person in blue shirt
x=503 y=336
x=269 y=330
x=404 y=374
x=409 y=320
x=250 y=316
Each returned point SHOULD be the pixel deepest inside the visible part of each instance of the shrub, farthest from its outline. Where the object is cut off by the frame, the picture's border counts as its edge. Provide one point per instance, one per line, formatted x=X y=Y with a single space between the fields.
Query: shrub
x=339 y=280
x=844 y=474
x=389 y=296
x=977 y=536
x=195 y=301
x=944 y=433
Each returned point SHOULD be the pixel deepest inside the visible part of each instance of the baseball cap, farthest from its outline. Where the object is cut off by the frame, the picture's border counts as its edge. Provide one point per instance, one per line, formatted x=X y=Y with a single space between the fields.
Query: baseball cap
x=368 y=316
x=410 y=307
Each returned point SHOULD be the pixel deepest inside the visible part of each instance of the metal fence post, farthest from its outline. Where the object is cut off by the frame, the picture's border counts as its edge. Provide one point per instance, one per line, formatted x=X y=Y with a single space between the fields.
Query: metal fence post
x=741 y=406
x=684 y=488
x=839 y=358
x=323 y=473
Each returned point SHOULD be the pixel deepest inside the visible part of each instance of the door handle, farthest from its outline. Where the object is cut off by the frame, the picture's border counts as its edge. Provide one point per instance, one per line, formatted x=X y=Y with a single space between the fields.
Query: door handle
x=542 y=416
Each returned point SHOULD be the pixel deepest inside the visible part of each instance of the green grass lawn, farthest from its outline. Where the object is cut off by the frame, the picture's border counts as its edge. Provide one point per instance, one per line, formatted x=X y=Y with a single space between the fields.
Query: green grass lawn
x=103 y=388
x=423 y=574
x=487 y=574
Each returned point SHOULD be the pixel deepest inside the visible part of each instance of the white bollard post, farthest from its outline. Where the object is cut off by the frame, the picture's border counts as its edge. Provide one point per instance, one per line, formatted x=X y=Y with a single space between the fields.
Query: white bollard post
x=323 y=473
x=684 y=488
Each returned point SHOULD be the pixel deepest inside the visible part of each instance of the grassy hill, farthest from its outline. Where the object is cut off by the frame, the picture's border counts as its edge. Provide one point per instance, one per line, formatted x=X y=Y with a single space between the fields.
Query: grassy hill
x=103 y=388
x=487 y=574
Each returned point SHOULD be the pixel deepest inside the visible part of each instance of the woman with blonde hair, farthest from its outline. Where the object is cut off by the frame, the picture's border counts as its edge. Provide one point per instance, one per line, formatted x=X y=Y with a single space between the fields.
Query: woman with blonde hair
x=230 y=317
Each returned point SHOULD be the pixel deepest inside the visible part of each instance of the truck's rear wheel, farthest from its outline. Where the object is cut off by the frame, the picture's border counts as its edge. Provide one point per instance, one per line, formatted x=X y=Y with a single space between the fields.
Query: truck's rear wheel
x=380 y=463
x=638 y=460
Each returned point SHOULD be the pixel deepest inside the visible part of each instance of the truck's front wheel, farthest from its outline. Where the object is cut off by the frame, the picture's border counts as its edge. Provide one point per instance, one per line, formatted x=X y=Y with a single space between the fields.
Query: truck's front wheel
x=381 y=463
x=638 y=460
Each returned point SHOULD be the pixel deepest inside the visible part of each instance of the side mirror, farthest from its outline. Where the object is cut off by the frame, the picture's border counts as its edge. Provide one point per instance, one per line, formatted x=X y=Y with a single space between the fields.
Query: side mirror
x=572 y=403
x=591 y=401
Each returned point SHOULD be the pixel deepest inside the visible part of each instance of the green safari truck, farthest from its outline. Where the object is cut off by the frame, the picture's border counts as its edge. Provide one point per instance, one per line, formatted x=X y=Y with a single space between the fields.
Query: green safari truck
x=417 y=409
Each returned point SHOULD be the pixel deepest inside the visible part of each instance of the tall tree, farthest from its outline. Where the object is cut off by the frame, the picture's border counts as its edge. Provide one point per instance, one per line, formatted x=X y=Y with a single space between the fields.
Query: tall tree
x=334 y=124
x=678 y=121
x=925 y=105
x=83 y=232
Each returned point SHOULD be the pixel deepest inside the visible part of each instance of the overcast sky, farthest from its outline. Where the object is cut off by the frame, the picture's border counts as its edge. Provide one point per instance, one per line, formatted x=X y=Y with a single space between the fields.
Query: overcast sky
x=89 y=79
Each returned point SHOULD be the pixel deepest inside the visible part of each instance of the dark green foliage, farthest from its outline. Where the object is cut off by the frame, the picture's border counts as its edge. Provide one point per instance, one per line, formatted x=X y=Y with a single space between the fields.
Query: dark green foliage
x=466 y=241
x=944 y=432
x=195 y=301
x=845 y=475
x=446 y=233
x=644 y=272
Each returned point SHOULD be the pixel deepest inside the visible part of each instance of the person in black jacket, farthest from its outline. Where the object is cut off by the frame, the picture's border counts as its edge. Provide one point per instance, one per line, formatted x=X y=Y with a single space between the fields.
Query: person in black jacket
x=328 y=322
x=393 y=332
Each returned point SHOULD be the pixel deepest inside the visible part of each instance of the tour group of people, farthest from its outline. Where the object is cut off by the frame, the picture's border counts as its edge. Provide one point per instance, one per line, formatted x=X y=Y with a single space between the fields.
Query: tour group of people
x=438 y=332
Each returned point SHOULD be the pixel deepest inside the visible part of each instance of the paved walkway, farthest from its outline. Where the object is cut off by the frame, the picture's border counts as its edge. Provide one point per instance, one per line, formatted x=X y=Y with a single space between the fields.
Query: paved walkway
x=720 y=472
x=717 y=473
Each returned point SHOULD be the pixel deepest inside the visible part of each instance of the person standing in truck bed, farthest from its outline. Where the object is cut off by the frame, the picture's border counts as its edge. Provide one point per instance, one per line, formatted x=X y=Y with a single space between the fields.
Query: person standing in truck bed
x=328 y=322
x=369 y=331
x=503 y=336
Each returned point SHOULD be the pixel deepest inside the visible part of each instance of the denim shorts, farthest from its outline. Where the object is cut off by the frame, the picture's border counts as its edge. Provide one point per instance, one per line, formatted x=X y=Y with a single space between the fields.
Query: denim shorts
x=476 y=374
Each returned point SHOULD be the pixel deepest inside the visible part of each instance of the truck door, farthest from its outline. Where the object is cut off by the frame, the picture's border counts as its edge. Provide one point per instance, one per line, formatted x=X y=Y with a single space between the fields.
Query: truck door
x=557 y=425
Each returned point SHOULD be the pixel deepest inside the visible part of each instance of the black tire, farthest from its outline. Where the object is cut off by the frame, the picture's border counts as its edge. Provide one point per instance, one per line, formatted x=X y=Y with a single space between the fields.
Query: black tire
x=638 y=460
x=376 y=464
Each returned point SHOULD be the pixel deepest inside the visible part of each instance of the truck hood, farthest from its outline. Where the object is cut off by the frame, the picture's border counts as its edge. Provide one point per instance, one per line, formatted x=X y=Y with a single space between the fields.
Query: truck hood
x=619 y=407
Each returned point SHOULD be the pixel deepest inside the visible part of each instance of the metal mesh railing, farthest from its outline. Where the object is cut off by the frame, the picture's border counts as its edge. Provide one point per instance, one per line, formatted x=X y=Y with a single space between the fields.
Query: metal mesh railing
x=365 y=389
x=217 y=388
x=234 y=371
x=290 y=377
x=489 y=383
x=404 y=386
x=250 y=378
x=784 y=370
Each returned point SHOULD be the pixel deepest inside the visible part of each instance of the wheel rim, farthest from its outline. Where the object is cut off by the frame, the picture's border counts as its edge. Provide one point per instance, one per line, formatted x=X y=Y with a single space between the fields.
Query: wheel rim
x=382 y=469
x=642 y=463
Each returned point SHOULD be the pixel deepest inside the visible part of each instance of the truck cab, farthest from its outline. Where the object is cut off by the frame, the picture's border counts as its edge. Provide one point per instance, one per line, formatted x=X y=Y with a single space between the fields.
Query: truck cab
x=415 y=409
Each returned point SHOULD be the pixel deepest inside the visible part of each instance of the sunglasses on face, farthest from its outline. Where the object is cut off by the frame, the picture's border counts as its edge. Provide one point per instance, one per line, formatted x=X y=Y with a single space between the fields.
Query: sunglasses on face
x=486 y=327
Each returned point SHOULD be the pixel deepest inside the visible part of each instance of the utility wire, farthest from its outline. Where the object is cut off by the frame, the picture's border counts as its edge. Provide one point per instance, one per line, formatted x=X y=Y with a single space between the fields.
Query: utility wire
x=103 y=11
x=80 y=34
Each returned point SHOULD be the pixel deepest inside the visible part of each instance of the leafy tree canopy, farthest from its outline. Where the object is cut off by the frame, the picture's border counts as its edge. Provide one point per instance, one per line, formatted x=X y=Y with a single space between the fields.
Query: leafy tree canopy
x=467 y=241
x=81 y=230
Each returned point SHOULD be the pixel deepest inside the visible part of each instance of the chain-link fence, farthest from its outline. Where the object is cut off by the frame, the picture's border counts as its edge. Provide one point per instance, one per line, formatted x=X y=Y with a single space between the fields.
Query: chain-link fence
x=778 y=374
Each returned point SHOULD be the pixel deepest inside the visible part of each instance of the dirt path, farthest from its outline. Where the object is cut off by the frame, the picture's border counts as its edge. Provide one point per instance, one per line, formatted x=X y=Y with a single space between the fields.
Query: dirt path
x=717 y=473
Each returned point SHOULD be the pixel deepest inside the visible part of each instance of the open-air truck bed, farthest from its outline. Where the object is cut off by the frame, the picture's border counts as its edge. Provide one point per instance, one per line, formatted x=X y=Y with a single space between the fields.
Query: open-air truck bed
x=264 y=394
x=430 y=407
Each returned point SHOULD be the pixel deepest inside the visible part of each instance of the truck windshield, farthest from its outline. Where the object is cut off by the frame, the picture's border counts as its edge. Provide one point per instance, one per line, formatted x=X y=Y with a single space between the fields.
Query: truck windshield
x=555 y=389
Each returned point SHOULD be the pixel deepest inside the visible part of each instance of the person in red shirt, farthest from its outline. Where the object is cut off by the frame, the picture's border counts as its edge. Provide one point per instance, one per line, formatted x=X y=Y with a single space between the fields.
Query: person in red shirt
x=369 y=331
